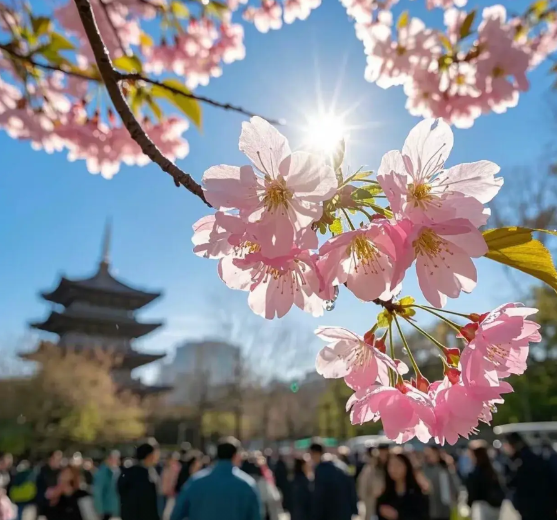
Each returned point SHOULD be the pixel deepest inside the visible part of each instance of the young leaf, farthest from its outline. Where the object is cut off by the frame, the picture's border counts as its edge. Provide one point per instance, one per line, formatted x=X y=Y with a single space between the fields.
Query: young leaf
x=466 y=27
x=515 y=247
x=179 y=9
x=445 y=42
x=153 y=105
x=403 y=20
x=128 y=63
x=216 y=9
x=384 y=319
x=41 y=25
x=189 y=106
x=366 y=192
x=336 y=227
x=539 y=7
x=137 y=99
x=407 y=312
x=378 y=209
x=60 y=43
x=145 y=40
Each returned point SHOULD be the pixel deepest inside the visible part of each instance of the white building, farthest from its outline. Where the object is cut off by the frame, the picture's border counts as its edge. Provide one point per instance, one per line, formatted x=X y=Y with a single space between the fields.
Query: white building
x=198 y=370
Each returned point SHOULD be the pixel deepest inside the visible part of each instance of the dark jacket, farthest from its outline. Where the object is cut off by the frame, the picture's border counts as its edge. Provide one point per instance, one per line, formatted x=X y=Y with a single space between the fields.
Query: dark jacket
x=284 y=485
x=334 y=492
x=301 y=498
x=138 y=490
x=483 y=487
x=67 y=507
x=413 y=505
x=46 y=478
x=532 y=486
x=221 y=492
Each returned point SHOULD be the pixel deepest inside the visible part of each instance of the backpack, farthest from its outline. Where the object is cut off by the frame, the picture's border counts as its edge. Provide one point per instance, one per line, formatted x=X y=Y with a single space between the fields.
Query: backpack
x=23 y=489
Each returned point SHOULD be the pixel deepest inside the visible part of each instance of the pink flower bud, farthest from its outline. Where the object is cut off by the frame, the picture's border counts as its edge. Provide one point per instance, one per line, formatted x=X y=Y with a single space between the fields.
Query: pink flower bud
x=468 y=332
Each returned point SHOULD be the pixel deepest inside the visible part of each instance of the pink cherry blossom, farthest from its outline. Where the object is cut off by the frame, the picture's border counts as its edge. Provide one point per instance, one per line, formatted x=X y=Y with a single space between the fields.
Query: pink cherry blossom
x=231 y=44
x=362 y=259
x=457 y=411
x=362 y=10
x=266 y=17
x=420 y=188
x=404 y=411
x=445 y=4
x=443 y=254
x=299 y=9
x=283 y=194
x=504 y=337
x=275 y=284
x=350 y=356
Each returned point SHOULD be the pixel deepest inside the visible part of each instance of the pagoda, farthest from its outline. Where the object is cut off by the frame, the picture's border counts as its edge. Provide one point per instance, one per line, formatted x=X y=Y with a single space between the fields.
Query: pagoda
x=98 y=313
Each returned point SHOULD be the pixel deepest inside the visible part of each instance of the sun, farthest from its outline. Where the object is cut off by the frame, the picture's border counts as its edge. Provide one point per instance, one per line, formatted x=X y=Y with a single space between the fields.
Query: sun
x=324 y=132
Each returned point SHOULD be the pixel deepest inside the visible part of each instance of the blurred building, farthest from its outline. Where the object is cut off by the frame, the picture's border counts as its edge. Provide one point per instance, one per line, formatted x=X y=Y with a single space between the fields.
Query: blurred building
x=200 y=371
x=99 y=313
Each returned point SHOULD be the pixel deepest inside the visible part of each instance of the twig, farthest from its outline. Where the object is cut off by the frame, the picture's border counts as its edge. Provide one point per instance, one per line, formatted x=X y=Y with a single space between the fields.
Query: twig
x=225 y=106
x=113 y=27
x=136 y=77
x=135 y=130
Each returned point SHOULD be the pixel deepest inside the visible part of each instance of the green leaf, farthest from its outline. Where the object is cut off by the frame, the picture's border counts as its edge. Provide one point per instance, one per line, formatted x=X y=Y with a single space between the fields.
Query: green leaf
x=336 y=227
x=361 y=175
x=445 y=42
x=217 y=9
x=516 y=247
x=145 y=40
x=367 y=192
x=466 y=27
x=407 y=312
x=60 y=43
x=179 y=96
x=386 y=212
x=154 y=106
x=41 y=25
x=53 y=56
x=322 y=228
x=137 y=98
x=539 y=7
x=128 y=63
x=407 y=300
x=179 y=9
x=403 y=20
x=384 y=319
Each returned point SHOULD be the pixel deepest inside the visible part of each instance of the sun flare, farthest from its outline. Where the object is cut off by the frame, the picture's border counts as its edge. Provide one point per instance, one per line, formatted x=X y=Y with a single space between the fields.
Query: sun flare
x=325 y=132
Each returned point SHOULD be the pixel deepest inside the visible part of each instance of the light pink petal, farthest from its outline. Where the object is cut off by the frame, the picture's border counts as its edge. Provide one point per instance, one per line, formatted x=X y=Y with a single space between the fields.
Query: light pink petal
x=362 y=376
x=309 y=176
x=371 y=281
x=267 y=299
x=428 y=146
x=332 y=362
x=429 y=281
x=473 y=179
x=229 y=187
x=233 y=276
x=395 y=187
x=471 y=242
x=275 y=234
x=302 y=213
x=337 y=334
x=265 y=146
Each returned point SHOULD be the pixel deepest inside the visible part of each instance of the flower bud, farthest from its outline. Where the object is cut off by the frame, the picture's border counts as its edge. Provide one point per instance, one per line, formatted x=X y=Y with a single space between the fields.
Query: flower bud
x=453 y=374
x=369 y=337
x=468 y=332
x=452 y=355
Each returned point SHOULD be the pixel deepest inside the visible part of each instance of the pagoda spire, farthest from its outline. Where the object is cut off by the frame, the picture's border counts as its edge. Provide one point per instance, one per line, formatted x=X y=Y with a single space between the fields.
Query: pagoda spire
x=107 y=241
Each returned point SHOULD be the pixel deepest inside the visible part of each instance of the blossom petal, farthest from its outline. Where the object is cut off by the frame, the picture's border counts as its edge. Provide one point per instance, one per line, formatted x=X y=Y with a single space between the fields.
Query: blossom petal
x=231 y=187
x=309 y=176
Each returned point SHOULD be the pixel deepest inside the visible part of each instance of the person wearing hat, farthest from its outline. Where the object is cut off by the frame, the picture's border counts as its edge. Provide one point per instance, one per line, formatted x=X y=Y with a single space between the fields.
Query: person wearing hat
x=138 y=485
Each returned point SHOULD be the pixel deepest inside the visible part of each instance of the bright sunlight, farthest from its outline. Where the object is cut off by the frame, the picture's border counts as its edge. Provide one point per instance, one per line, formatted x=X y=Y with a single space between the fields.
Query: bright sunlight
x=325 y=132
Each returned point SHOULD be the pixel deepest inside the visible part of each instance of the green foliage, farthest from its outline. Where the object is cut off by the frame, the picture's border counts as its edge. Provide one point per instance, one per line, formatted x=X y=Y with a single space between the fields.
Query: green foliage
x=336 y=227
x=179 y=9
x=60 y=43
x=367 y=193
x=41 y=25
x=516 y=248
x=216 y=9
x=180 y=96
x=128 y=63
x=403 y=20
x=384 y=319
x=466 y=27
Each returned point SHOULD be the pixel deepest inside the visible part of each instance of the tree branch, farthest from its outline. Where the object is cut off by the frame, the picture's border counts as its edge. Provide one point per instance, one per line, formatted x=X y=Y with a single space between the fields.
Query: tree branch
x=110 y=79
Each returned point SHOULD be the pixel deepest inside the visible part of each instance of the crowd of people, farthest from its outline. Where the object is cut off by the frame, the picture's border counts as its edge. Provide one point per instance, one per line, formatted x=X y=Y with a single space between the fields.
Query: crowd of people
x=387 y=483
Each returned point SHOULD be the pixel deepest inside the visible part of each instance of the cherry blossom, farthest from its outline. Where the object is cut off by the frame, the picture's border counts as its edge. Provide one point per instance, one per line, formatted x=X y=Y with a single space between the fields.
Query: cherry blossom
x=443 y=254
x=275 y=284
x=363 y=259
x=420 y=188
x=445 y=4
x=284 y=192
x=299 y=9
x=349 y=356
x=266 y=17
x=404 y=411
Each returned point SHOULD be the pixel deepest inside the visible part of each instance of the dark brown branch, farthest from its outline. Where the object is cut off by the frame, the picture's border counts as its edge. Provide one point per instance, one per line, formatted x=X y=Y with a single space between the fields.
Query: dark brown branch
x=8 y=50
x=203 y=99
x=110 y=79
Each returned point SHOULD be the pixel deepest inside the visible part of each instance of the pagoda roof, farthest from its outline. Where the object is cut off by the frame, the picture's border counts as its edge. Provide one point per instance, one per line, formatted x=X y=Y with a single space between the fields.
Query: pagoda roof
x=111 y=326
x=101 y=285
x=143 y=390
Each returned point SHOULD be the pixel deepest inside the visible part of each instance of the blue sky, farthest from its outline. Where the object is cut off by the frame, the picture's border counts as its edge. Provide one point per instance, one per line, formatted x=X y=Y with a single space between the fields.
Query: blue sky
x=52 y=212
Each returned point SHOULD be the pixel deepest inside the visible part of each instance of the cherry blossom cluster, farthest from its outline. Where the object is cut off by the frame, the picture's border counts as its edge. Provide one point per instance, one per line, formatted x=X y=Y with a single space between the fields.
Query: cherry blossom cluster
x=264 y=235
x=270 y=13
x=459 y=73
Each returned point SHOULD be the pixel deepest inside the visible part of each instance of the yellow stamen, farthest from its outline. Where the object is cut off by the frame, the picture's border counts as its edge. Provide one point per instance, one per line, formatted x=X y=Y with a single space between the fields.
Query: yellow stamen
x=276 y=195
x=421 y=194
x=498 y=72
x=401 y=50
x=428 y=243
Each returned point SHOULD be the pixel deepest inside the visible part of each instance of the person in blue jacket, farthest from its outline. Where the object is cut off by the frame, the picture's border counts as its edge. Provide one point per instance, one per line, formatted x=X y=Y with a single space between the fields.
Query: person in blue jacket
x=220 y=491
x=105 y=487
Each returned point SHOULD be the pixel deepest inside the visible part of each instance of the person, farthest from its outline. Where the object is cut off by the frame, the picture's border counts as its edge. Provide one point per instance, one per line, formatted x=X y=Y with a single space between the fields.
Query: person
x=372 y=478
x=301 y=490
x=334 y=491
x=443 y=484
x=403 y=497
x=191 y=463
x=105 y=487
x=47 y=478
x=271 y=501
x=138 y=485
x=23 y=488
x=88 y=473
x=65 y=500
x=6 y=463
x=280 y=470
x=485 y=493
x=531 y=482
x=169 y=478
x=222 y=491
